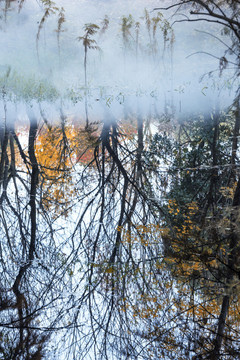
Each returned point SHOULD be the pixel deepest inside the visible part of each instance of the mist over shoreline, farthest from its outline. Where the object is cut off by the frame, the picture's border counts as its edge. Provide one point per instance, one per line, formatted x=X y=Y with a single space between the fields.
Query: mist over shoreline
x=119 y=75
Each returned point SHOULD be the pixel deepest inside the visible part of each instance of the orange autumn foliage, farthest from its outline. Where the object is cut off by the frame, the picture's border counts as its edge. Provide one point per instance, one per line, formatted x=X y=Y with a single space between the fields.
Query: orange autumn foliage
x=58 y=149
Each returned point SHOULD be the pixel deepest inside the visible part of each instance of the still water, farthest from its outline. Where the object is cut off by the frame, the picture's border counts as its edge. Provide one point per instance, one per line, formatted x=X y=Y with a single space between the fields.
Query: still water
x=119 y=183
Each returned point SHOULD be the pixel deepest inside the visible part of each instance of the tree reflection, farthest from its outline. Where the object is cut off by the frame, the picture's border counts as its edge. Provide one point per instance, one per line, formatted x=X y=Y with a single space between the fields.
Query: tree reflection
x=97 y=255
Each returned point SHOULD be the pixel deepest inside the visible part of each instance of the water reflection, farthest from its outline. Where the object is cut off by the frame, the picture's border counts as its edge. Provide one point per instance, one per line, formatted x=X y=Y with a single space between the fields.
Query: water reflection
x=110 y=232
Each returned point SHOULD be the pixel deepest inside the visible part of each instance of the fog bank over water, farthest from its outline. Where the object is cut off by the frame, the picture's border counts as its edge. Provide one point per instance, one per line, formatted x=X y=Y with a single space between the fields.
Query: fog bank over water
x=140 y=70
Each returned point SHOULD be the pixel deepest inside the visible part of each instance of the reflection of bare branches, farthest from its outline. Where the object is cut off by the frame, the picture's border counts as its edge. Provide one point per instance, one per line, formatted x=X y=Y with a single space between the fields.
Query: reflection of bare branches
x=98 y=279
